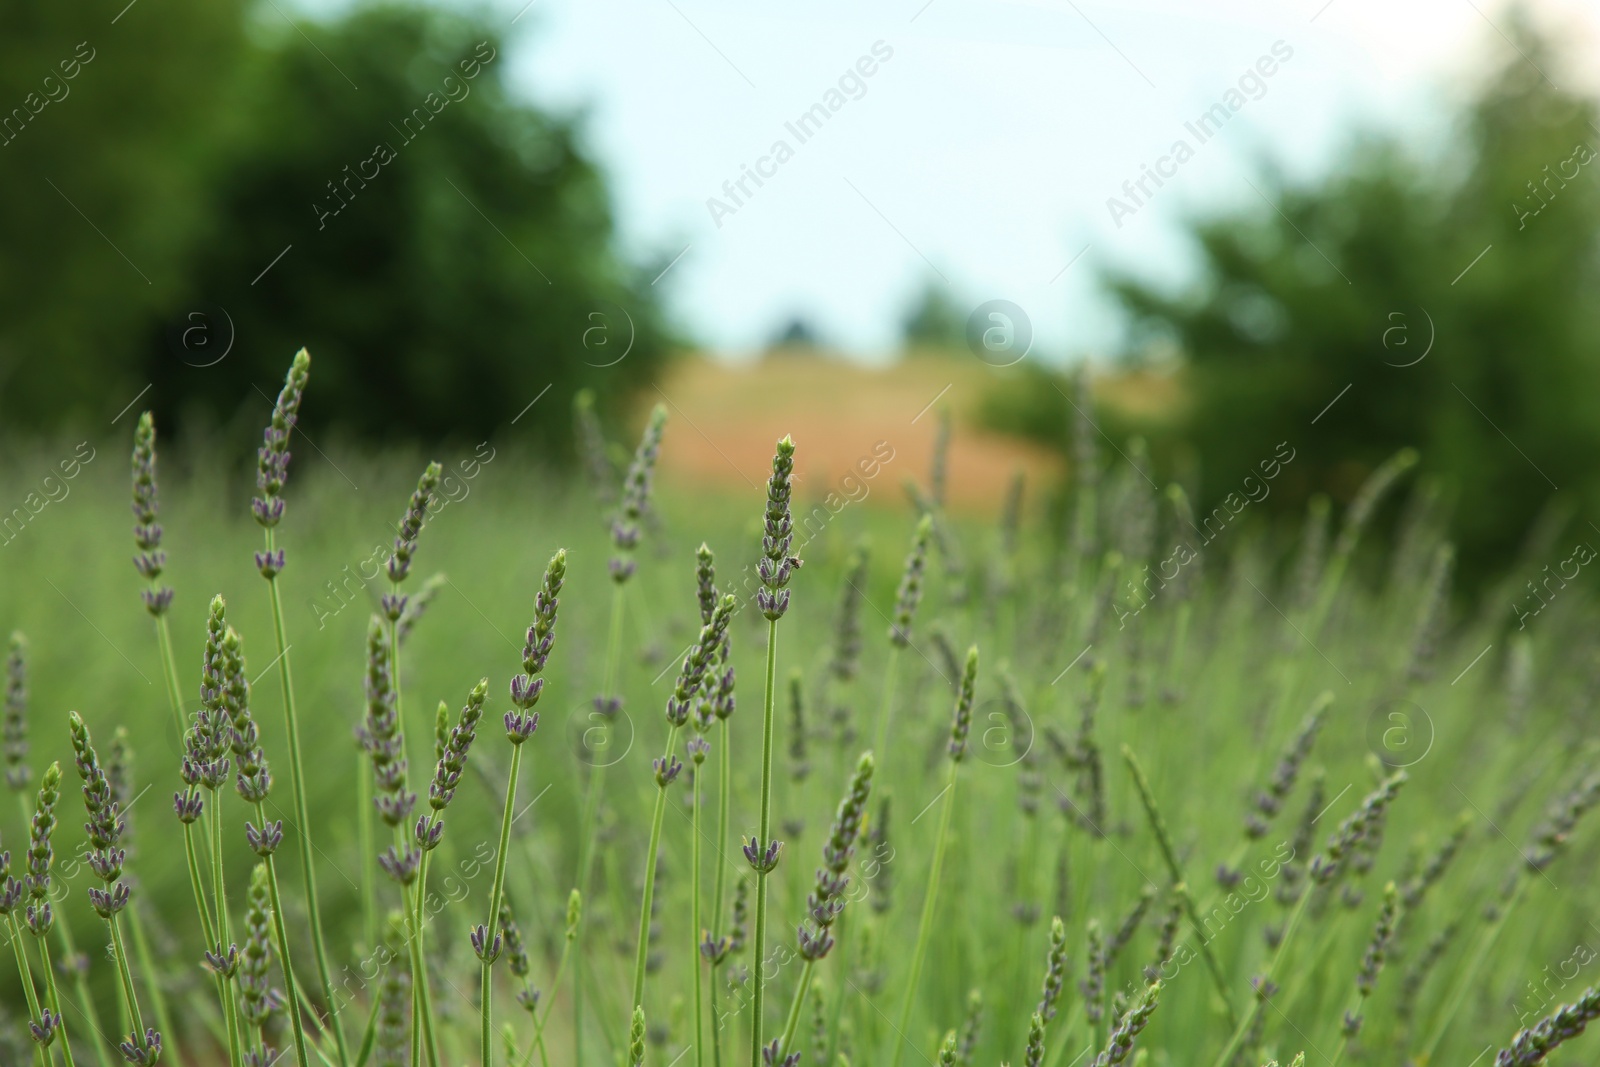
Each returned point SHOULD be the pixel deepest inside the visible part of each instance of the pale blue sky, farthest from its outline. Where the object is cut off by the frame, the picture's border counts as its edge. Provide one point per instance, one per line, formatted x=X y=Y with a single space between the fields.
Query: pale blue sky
x=985 y=148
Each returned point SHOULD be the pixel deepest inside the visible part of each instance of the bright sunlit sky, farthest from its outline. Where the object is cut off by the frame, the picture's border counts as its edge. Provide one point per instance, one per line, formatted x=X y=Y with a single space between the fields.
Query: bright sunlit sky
x=984 y=149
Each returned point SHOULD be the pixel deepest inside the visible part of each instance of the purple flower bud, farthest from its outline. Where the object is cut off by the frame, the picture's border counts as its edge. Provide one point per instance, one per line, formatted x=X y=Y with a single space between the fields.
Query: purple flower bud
x=763 y=860
x=487 y=951
x=402 y=867
x=43 y=1032
x=666 y=769
x=525 y=690
x=157 y=601
x=393 y=605
x=270 y=564
x=265 y=841
x=144 y=1053
x=223 y=962
x=429 y=831
x=106 y=904
x=769 y=1056
x=520 y=725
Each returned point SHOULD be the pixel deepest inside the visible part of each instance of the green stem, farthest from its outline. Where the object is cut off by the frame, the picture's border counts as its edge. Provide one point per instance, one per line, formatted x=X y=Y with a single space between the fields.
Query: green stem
x=762 y=843
x=550 y=1006
x=129 y=997
x=421 y=1006
x=302 y=816
x=80 y=987
x=40 y=1054
x=925 y=924
x=220 y=930
x=158 y=999
x=486 y=1036
x=591 y=807
x=795 y=1007
x=886 y=710
x=291 y=990
x=1170 y=856
x=54 y=996
x=845 y=944
x=1467 y=977
x=170 y=672
x=643 y=950
x=368 y=840
x=369 y=1036
x=724 y=806
x=1243 y=1027
x=694 y=927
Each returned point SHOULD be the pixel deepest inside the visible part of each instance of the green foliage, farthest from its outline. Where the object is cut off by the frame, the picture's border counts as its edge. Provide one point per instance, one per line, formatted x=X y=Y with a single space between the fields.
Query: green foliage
x=447 y=250
x=1347 y=279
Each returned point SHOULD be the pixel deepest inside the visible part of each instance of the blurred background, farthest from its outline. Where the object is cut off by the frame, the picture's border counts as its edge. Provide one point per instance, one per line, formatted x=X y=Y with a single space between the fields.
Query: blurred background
x=1331 y=224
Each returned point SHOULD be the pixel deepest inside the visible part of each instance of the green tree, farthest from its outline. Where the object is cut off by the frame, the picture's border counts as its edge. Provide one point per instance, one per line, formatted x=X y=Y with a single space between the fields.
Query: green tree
x=105 y=118
x=934 y=321
x=365 y=187
x=1333 y=293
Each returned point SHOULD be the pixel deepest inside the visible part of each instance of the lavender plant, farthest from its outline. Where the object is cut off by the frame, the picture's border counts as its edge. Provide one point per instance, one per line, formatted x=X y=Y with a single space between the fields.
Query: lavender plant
x=774 y=568
x=151 y=559
x=636 y=489
x=526 y=688
x=272 y=473
x=905 y=609
x=960 y=727
x=143 y=1045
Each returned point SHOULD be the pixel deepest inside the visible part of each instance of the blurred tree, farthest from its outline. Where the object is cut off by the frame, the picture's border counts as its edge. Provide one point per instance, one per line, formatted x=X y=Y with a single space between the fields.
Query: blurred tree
x=1446 y=303
x=797 y=336
x=105 y=118
x=934 y=322
x=445 y=252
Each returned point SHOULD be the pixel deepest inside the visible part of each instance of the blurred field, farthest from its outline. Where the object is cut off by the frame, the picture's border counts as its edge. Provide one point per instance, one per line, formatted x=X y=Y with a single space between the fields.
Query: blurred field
x=838 y=412
x=1508 y=721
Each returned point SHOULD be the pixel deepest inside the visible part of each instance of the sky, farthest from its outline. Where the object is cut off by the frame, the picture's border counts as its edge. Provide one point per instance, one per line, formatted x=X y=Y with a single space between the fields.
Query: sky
x=982 y=149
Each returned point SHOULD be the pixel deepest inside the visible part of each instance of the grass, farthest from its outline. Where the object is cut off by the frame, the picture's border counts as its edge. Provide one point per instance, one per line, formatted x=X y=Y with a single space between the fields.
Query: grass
x=1199 y=685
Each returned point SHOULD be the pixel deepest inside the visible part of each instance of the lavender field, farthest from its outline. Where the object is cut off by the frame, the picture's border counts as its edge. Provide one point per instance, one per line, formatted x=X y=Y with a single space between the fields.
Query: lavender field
x=346 y=768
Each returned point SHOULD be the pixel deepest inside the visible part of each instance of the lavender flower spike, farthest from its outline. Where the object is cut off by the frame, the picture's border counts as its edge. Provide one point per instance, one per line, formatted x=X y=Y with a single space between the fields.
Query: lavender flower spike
x=828 y=899
x=272 y=459
x=1121 y=1043
x=15 y=727
x=380 y=734
x=452 y=761
x=146 y=531
x=776 y=564
x=636 y=496
x=905 y=605
x=405 y=539
x=40 y=853
x=1530 y=1047
x=692 y=676
x=962 y=723
x=527 y=686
